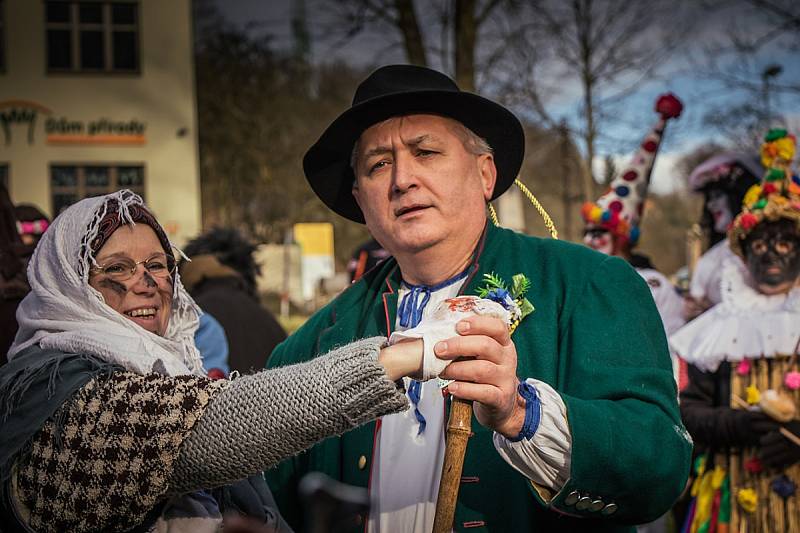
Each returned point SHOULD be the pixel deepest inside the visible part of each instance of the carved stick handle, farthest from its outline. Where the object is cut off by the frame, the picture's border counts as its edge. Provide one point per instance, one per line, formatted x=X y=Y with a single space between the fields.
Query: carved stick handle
x=459 y=428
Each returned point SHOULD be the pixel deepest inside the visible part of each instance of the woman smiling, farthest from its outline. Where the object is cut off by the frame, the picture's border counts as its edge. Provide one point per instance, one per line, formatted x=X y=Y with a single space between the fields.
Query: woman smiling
x=108 y=420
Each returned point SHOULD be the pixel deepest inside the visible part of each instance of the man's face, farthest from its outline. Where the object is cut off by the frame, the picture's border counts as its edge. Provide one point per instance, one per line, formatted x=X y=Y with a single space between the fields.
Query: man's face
x=418 y=186
x=599 y=239
x=772 y=254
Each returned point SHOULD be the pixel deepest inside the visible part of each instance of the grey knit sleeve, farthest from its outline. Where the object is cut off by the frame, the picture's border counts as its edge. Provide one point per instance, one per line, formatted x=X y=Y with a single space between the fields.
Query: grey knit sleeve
x=263 y=418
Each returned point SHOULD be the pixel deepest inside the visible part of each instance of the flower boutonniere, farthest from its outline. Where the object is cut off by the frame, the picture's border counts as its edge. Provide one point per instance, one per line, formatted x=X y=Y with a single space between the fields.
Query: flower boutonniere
x=511 y=298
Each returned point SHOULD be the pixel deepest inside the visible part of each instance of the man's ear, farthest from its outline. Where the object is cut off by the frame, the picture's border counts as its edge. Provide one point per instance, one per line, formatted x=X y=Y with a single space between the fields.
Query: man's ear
x=488 y=174
x=356 y=194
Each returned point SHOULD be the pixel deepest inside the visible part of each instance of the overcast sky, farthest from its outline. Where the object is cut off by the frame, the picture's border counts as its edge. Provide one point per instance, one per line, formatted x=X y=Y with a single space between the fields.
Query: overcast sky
x=680 y=75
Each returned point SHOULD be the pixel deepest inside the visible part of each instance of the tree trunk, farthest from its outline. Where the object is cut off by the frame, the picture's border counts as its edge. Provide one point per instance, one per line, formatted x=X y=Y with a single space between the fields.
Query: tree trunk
x=412 y=36
x=583 y=22
x=466 y=34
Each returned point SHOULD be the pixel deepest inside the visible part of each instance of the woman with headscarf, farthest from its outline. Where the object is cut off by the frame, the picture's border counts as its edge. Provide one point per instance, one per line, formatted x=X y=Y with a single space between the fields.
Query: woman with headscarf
x=108 y=420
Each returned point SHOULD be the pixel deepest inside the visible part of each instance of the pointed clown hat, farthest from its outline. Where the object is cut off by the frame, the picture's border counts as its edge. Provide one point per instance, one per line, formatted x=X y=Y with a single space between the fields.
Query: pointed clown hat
x=620 y=208
x=778 y=195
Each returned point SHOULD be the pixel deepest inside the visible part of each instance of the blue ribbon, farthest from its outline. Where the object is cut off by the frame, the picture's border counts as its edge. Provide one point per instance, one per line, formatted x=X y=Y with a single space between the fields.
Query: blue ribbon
x=410 y=313
x=533 y=412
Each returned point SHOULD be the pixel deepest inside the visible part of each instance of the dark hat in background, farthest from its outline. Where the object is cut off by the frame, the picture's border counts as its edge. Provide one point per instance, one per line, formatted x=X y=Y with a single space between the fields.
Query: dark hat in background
x=397 y=90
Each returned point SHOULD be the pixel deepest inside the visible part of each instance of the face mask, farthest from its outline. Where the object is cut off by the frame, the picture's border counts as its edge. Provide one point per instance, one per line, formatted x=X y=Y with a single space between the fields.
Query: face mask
x=598 y=239
x=772 y=254
x=717 y=205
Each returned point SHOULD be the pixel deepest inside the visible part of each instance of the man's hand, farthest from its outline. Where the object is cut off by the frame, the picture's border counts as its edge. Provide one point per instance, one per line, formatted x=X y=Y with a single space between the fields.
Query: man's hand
x=485 y=371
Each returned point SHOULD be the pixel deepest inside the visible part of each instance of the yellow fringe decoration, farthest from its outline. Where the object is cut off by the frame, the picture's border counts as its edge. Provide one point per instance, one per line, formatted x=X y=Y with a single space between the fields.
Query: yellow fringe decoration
x=548 y=222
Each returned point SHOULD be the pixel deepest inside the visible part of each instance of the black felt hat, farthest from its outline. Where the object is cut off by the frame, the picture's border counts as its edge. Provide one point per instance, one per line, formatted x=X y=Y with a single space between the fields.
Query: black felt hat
x=397 y=90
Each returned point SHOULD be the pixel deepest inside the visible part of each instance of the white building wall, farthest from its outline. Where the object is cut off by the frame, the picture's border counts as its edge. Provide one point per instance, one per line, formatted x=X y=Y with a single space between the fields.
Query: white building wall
x=161 y=95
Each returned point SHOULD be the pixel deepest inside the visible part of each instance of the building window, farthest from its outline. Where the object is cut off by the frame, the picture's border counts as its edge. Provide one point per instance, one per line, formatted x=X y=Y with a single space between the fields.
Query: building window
x=70 y=183
x=92 y=36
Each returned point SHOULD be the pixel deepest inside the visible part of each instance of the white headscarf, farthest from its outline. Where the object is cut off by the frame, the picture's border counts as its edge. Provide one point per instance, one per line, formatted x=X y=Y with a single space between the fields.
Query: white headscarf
x=63 y=312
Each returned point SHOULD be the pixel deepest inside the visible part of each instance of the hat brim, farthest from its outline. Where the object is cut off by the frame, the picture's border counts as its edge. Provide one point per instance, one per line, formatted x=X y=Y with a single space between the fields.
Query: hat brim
x=327 y=162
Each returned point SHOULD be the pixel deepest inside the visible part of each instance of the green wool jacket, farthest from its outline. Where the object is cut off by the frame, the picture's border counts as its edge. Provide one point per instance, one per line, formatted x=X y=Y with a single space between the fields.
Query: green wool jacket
x=595 y=337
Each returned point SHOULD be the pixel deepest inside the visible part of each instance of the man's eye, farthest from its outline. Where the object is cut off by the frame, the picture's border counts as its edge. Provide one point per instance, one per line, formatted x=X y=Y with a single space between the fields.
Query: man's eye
x=377 y=166
x=425 y=153
x=156 y=266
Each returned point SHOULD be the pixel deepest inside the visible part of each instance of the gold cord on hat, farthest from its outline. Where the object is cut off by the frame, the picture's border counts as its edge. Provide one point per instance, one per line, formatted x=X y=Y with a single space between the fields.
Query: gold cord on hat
x=548 y=222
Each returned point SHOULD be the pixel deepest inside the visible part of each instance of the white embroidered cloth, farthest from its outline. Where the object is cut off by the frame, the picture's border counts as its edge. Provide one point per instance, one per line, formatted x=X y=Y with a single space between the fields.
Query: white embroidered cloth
x=441 y=325
x=63 y=312
x=746 y=323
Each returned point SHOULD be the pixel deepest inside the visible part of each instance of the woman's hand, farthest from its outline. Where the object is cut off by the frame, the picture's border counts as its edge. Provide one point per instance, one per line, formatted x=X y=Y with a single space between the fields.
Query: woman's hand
x=402 y=359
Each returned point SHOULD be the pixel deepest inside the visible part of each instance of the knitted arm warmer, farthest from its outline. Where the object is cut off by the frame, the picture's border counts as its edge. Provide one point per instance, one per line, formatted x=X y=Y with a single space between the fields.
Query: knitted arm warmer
x=263 y=418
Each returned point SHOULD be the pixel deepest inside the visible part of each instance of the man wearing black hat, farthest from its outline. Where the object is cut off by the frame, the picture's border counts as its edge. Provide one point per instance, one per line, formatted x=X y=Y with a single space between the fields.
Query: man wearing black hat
x=577 y=421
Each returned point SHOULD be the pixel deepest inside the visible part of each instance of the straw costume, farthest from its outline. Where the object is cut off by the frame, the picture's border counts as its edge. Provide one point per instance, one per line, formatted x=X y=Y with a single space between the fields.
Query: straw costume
x=743 y=398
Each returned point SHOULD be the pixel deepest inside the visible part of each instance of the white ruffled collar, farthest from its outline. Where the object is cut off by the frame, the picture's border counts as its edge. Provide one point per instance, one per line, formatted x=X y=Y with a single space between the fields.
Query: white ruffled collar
x=745 y=324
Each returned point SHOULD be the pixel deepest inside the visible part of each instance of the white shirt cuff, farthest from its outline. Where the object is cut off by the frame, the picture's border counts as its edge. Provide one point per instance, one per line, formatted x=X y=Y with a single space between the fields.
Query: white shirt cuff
x=545 y=459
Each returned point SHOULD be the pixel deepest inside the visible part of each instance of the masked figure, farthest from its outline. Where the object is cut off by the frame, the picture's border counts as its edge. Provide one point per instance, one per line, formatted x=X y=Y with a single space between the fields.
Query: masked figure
x=723 y=180
x=741 y=405
x=612 y=223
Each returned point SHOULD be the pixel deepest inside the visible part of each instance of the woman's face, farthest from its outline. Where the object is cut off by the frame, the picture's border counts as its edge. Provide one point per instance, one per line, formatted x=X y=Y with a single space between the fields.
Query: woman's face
x=772 y=254
x=717 y=204
x=145 y=298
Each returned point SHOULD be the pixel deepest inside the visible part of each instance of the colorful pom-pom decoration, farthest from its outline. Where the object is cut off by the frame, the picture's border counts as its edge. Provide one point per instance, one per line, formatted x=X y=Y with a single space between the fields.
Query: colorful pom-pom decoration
x=783 y=486
x=743 y=368
x=796 y=179
x=631 y=175
x=747 y=499
x=622 y=191
x=775 y=174
x=615 y=206
x=635 y=232
x=606 y=216
x=753 y=194
x=668 y=106
x=792 y=380
x=753 y=395
x=753 y=465
x=761 y=204
x=769 y=188
x=748 y=221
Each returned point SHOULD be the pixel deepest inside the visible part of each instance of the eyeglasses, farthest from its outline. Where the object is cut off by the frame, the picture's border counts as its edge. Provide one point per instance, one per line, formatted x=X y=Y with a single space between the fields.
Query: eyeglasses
x=123 y=269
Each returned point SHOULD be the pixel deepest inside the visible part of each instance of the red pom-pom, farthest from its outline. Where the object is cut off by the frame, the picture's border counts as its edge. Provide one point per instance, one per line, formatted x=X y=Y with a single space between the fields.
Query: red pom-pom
x=216 y=373
x=668 y=106
x=753 y=465
x=748 y=220
x=769 y=188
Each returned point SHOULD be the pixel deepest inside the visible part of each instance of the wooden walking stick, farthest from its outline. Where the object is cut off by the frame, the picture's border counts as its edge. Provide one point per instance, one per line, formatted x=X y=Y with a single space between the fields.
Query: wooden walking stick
x=459 y=428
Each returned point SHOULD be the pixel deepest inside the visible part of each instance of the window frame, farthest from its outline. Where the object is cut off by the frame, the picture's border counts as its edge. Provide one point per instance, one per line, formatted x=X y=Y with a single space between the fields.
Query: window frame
x=107 y=27
x=82 y=191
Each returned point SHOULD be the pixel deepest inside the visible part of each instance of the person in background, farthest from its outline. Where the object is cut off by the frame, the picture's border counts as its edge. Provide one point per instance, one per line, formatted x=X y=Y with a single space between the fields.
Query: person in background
x=213 y=346
x=365 y=258
x=221 y=277
x=723 y=181
x=613 y=222
x=13 y=279
x=742 y=404
x=31 y=224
